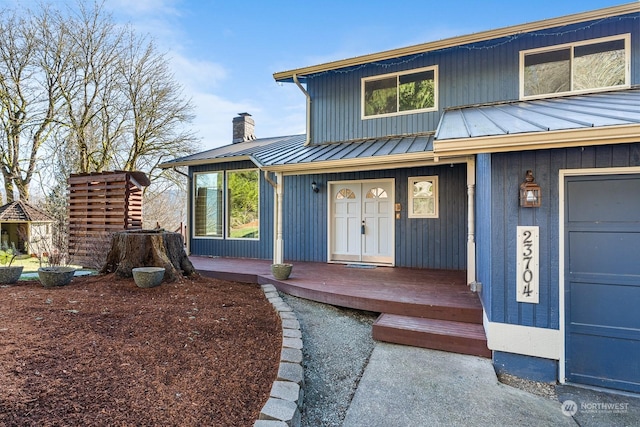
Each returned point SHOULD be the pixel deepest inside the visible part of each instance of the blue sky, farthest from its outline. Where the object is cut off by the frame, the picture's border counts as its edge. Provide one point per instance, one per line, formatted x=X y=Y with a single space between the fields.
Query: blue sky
x=224 y=53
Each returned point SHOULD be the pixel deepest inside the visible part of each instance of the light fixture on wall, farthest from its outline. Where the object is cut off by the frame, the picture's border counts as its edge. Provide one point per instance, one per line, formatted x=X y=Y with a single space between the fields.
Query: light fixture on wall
x=315 y=187
x=530 y=193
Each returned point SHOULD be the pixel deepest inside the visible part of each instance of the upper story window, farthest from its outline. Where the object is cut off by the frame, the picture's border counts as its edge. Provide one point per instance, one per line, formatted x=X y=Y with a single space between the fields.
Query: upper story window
x=588 y=66
x=400 y=93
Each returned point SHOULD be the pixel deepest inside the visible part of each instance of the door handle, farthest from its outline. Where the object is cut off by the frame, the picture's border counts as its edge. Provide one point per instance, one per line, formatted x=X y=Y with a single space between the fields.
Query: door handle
x=362 y=228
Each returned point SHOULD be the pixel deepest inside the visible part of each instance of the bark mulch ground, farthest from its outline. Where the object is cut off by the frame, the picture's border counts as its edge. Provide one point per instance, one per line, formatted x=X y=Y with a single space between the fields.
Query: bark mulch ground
x=102 y=351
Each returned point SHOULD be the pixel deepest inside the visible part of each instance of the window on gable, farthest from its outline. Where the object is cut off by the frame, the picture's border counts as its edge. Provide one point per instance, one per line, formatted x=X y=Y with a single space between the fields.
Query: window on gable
x=423 y=197
x=580 y=67
x=400 y=93
x=241 y=204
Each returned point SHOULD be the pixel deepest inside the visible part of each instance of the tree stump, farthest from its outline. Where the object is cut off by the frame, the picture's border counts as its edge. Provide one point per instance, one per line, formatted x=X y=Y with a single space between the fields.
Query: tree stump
x=148 y=248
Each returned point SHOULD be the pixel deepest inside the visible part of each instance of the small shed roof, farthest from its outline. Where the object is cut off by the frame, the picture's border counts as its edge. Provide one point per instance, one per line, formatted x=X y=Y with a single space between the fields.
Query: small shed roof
x=20 y=211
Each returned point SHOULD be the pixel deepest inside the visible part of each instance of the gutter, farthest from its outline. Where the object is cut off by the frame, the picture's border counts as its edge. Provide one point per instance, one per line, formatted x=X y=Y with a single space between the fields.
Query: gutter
x=175 y=169
x=306 y=94
x=269 y=180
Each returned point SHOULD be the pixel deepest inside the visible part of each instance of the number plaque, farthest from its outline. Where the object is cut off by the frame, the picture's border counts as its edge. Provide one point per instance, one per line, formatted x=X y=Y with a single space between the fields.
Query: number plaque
x=528 y=268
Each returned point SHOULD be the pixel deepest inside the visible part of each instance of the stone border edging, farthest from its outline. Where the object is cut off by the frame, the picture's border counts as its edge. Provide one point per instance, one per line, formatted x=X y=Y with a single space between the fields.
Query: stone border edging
x=285 y=399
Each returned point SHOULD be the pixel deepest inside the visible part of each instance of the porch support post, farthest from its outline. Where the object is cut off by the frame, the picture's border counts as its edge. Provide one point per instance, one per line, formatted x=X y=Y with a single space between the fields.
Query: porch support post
x=471 y=220
x=278 y=250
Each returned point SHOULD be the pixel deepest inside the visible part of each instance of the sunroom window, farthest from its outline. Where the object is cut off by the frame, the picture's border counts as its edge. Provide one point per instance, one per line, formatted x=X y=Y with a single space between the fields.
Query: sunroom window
x=243 y=188
x=227 y=207
x=599 y=64
x=208 y=204
x=400 y=93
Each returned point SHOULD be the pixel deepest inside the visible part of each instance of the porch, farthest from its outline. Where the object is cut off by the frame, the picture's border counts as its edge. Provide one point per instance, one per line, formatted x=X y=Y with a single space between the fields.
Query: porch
x=422 y=308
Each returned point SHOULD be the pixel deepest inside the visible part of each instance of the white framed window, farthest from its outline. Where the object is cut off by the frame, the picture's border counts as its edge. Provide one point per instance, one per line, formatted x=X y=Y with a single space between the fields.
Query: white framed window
x=227 y=204
x=581 y=67
x=423 y=197
x=243 y=204
x=406 y=92
x=208 y=205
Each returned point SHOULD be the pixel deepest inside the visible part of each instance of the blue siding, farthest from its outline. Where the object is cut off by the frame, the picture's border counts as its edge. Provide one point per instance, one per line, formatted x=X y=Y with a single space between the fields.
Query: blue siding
x=420 y=243
x=529 y=367
x=497 y=200
x=484 y=231
x=470 y=74
x=261 y=248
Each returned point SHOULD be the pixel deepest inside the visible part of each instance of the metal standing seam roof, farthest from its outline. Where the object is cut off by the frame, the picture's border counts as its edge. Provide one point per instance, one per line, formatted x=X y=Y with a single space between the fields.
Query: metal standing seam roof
x=290 y=150
x=542 y=115
x=511 y=118
x=349 y=150
x=239 y=150
x=20 y=211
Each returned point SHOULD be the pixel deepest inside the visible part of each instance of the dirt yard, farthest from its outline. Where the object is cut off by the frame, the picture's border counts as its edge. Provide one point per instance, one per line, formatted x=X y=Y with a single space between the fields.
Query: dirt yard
x=103 y=352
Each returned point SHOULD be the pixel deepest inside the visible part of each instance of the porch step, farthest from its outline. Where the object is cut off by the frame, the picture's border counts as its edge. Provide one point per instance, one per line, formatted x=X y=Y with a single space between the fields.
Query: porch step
x=446 y=335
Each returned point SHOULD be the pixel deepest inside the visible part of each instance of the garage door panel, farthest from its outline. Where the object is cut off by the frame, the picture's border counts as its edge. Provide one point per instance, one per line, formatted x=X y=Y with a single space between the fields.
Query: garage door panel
x=591 y=304
x=592 y=363
x=590 y=199
x=610 y=332
x=602 y=280
x=590 y=252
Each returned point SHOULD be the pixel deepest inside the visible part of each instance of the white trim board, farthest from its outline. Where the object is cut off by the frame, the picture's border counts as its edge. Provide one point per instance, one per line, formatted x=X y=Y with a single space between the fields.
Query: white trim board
x=526 y=340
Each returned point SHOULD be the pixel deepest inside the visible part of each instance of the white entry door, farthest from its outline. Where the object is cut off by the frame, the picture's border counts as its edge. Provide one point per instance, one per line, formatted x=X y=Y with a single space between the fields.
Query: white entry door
x=361 y=222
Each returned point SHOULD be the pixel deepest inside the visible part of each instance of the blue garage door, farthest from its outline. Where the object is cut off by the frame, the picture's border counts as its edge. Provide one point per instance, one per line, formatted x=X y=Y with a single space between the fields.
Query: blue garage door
x=602 y=281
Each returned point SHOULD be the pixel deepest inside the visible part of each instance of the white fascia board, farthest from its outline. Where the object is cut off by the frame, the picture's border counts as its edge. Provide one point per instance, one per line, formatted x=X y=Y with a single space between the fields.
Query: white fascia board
x=199 y=162
x=538 y=140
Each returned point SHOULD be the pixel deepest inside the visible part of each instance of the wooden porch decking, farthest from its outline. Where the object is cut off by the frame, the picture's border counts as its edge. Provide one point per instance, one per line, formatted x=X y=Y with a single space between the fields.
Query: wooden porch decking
x=423 y=308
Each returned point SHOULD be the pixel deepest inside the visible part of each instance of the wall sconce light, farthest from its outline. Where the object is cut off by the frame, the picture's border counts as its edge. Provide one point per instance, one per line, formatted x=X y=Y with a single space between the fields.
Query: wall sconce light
x=530 y=194
x=315 y=187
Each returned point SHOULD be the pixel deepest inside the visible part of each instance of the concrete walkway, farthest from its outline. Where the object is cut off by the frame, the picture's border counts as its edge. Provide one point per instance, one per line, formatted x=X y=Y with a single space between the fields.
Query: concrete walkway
x=407 y=386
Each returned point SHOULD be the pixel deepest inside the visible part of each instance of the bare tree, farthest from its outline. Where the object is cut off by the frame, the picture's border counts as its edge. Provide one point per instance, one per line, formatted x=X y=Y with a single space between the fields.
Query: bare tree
x=164 y=206
x=30 y=68
x=93 y=111
x=90 y=94
x=158 y=109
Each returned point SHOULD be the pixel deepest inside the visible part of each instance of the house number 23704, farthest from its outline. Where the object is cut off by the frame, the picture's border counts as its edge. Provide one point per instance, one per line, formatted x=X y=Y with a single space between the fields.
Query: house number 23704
x=528 y=269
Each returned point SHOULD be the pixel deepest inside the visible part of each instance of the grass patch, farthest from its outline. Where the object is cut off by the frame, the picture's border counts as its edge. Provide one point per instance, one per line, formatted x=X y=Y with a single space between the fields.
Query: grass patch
x=31 y=264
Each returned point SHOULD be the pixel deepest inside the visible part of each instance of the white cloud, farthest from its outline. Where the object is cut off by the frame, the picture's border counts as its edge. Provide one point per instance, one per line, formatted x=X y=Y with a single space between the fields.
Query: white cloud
x=214 y=115
x=197 y=75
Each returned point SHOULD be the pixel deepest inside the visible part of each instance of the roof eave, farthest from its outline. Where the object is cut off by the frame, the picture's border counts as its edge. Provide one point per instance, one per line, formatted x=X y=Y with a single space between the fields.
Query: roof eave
x=378 y=162
x=459 y=40
x=198 y=162
x=538 y=140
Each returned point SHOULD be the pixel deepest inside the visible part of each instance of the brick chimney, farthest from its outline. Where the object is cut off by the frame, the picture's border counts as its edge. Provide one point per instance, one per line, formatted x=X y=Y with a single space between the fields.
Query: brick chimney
x=243 y=128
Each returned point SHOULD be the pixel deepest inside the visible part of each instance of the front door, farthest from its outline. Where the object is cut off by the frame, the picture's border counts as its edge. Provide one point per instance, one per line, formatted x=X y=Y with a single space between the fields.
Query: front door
x=362 y=222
